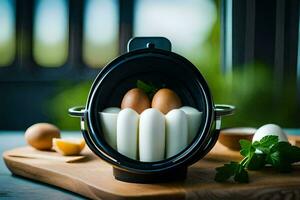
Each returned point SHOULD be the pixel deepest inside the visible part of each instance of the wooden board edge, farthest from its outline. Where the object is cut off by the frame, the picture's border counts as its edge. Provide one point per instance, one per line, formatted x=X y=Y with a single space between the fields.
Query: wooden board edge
x=17 y=168
x=93 y=193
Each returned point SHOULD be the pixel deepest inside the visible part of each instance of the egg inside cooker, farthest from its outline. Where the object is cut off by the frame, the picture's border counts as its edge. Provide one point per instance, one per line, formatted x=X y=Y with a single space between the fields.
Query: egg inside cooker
x=159 y=70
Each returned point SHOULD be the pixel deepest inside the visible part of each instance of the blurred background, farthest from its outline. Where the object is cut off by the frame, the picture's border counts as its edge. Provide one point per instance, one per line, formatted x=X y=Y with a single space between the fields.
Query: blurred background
x=51 y=50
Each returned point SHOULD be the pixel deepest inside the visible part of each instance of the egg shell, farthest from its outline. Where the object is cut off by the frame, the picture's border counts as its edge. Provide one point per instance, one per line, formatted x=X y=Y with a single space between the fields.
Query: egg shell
x=136 y=99
x=108 y=120
x=176 y=132
x=40 y=135
x=270 y=129
x=194 y=121
x=151 y=135
x=127 y=132
x=166 y=100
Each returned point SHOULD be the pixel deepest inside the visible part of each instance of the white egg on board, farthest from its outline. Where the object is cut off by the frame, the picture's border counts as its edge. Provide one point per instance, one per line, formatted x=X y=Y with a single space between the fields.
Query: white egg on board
x=270 y=129
x=127 y=132
x=194 y=121
x=108 y=120
x=176 y=132
x=151 y=135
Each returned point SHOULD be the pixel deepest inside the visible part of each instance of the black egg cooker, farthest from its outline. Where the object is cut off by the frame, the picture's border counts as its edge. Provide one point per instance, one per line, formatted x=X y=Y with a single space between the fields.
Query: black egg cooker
x=150 y=59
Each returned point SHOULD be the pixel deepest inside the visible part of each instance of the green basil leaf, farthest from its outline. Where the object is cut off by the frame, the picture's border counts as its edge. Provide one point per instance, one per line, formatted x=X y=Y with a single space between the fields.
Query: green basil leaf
x=225 y=172
x=269 y=140
x=241 y=175
x=279 y=161
x=246 y=147
x=266 y=143
x=280 y=155
x=256 y=162
x=148 y=88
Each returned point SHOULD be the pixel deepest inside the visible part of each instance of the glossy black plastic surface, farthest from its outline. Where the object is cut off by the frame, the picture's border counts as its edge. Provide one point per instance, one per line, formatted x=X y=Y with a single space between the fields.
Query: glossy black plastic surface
x=162 y=68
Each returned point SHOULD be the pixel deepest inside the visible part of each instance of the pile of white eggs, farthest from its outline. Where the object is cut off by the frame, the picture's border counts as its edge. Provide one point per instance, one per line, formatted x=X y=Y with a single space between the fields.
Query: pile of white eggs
x=150 y=136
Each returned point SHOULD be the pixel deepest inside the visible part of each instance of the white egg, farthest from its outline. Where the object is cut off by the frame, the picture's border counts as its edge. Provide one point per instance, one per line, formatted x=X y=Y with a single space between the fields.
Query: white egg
x=127 y=132
x=270 y=129
x=194 y=121
x=151 y=135
x=176 y=132
x=108 y=120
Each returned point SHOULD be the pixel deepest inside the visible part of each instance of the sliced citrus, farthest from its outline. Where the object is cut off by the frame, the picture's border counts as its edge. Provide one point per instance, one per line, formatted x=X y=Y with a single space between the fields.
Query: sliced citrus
x=82 y=144
x=68 y=147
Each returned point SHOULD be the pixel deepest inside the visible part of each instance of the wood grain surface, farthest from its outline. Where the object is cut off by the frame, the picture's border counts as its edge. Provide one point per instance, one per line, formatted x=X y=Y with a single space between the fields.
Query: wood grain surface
x=48 y=155
x=92 y=178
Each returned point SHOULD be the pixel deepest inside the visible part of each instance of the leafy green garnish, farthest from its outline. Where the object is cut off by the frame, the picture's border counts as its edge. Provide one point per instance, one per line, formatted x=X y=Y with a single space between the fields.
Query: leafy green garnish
x=148 y=88
x=246 y=147
x=280 y=155
x=256 y=162
x=233 y=169
x=265 y=143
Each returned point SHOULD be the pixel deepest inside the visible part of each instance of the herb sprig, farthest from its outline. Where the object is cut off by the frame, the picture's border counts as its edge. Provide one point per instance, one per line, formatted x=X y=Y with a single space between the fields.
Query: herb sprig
x=269 y=150
x=148 y=88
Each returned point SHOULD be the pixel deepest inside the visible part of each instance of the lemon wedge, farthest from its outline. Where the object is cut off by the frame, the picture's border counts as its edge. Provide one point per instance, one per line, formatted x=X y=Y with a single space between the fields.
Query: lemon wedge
x=68 y=147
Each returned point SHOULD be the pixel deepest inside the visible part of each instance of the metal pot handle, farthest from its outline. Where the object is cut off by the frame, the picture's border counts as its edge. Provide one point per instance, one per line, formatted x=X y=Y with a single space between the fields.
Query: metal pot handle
x=220 y=110
x=77 y=111
x=224 y=110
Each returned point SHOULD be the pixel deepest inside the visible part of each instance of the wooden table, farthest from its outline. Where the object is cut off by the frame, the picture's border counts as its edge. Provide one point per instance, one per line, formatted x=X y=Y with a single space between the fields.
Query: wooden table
x=13 y=187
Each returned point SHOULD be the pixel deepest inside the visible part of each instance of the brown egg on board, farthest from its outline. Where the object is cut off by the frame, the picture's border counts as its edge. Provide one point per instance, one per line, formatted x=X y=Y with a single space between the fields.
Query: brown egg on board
x=165 y=100
x=136 y=99
x=40 y=135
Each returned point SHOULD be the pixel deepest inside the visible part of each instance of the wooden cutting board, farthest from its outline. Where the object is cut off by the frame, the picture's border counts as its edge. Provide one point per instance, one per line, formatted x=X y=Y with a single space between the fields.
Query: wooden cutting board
x=91 y=177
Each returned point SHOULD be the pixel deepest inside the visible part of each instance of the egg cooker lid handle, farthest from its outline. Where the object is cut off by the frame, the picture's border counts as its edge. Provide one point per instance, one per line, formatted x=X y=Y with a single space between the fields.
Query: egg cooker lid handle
x=149 y=42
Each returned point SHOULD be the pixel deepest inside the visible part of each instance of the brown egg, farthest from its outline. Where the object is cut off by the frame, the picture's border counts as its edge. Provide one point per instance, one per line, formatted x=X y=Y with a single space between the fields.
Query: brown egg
x=136 y=99
x=165 y=100
x=40 y=135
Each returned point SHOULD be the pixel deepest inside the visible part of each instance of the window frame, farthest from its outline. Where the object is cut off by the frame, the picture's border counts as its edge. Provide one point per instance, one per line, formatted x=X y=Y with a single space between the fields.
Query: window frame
x=24 y=68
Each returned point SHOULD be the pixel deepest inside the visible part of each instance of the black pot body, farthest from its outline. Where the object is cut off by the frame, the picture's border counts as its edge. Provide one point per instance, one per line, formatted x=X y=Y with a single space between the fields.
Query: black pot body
x=160 y=67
